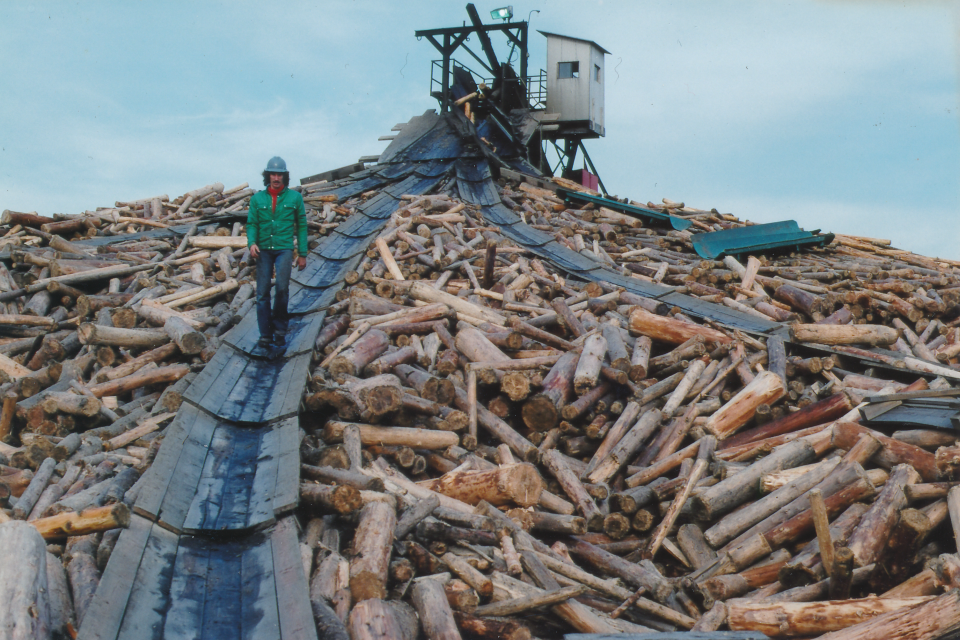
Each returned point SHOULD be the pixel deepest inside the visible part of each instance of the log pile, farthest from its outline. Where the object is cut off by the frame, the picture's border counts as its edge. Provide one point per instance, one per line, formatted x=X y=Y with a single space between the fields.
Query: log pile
x=98 y=341
x=493 y=449
x=547 y=456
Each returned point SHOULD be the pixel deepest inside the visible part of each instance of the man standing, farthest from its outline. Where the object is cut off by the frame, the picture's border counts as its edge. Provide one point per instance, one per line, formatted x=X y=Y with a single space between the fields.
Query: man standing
x=276 y=215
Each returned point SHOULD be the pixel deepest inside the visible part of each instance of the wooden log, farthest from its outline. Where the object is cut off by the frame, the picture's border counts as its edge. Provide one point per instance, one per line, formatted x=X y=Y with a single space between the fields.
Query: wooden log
x=642 y=574
x=800 y=300
x=71 y=403
x=840 y=334
x=187 y=338
x=364 y=351
x=707 y=446
x=931 y=619
x=90 y=333
x=34 y=490
x=640 y=359
x=587 y=373
x=339 y=498
x=574 y=613
x=892 y=452
x=736 y=489
x=436 y=616
x=814 y=414
x=871 y=535
x=572 y=486
x=469 y=574
x=372 y=544
x=626 y=448
x=25 y=613
x=510 y=484
x=140 y=379
x=811 y=618
x=541 y=412
x=671 y=330
x=90 y=521
x=400 y=436
x=766 y=388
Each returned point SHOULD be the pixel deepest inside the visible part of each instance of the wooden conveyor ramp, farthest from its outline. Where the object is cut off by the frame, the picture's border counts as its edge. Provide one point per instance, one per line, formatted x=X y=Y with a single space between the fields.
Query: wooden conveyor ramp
x=212 y=549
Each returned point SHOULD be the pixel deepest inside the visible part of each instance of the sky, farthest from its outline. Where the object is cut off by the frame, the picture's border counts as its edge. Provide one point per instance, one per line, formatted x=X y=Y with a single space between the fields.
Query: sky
x=842 y=115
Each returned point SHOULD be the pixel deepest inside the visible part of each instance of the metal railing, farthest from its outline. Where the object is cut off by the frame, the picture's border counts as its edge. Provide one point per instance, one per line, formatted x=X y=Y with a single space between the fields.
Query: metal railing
x=536 y=86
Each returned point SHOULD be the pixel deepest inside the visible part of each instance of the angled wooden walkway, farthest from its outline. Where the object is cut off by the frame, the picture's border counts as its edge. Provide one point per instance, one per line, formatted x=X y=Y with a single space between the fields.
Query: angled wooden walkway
x=212 y=550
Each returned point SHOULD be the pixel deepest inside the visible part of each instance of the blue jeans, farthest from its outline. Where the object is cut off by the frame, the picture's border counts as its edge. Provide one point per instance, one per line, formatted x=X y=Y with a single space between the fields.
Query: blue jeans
x=273 y=321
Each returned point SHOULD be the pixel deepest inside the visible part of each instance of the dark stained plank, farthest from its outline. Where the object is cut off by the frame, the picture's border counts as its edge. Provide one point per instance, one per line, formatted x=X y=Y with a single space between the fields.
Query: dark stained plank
x=187 y=590
x=290 y=387
x=221 y=605
x=238 y=484
x=210 y=487
x=105 y=613
x=287 y=493
x=301 y=333
x=149 y=597
x=264 y=484
x=260 y=608
x=296 y=617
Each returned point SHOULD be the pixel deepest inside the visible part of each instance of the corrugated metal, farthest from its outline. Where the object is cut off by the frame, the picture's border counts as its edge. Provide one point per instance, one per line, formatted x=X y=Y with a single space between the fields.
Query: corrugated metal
x=759 y=238
x=641 y=213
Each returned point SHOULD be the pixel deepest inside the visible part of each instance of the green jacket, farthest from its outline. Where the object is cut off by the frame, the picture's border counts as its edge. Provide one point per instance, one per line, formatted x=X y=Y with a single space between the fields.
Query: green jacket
x=275 y=230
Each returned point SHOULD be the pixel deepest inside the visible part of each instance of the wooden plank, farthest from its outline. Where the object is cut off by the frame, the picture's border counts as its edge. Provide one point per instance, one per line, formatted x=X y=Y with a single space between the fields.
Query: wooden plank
x=221 y=605
x=187 y=590
x=251 y=395
x=161 y=471
x=292 y=381
x=220 y=373
x=287 y=493
x=263 y=487
x=260 y=608
x=149 y=597
x=186 y=475
x=210 y=486
x=296 y=617
x=105 y=613
x=238 y=482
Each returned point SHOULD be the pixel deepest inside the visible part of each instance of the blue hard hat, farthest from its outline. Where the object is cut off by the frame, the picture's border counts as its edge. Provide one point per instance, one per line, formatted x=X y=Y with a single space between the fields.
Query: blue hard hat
x=276 y=165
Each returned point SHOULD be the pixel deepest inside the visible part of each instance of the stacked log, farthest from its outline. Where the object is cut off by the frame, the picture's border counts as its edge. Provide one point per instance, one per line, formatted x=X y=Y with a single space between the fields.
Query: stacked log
x=667 y=464
x=493 y=448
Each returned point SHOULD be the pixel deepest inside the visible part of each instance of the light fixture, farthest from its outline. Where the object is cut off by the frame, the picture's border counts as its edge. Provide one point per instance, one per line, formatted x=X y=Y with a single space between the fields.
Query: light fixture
x=503 y=13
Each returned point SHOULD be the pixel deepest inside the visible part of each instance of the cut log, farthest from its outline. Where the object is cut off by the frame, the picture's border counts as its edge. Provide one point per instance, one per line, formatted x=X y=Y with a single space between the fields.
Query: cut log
x=372 y=544
x=505 y=485
x=670 y=330
x=25 y=614
x=766 y=388
x=868 y=334
x=435 y=614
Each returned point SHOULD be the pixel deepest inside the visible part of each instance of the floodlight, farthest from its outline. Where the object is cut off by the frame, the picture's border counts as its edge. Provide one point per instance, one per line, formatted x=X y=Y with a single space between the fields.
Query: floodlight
x=503 y=13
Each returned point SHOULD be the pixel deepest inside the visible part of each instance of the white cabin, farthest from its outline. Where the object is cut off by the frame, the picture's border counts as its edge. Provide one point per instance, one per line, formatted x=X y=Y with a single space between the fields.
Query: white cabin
x=575 y=77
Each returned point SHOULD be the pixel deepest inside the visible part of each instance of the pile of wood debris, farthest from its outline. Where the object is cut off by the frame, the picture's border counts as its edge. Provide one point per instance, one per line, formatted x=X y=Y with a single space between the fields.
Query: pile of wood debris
x=493 y=450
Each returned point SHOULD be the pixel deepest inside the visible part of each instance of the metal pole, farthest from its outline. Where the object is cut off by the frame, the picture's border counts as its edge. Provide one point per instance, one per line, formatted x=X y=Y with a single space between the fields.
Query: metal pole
x=446 y=73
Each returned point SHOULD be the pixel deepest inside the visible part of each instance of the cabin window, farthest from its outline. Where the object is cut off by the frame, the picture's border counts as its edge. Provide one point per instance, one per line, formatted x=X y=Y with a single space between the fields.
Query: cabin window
x=596 y=72
x=569 y=70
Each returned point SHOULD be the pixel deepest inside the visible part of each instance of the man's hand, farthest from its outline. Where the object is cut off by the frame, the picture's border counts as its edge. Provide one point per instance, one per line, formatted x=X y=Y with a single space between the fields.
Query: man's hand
x=254 y=251
x=301 y=263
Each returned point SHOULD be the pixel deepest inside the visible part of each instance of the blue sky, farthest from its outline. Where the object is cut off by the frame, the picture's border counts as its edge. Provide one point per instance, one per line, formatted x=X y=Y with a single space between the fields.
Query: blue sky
x=842 y=115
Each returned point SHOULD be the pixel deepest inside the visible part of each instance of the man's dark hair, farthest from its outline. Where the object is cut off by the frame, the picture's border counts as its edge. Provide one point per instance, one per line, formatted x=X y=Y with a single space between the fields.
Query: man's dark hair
x=285 y=174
